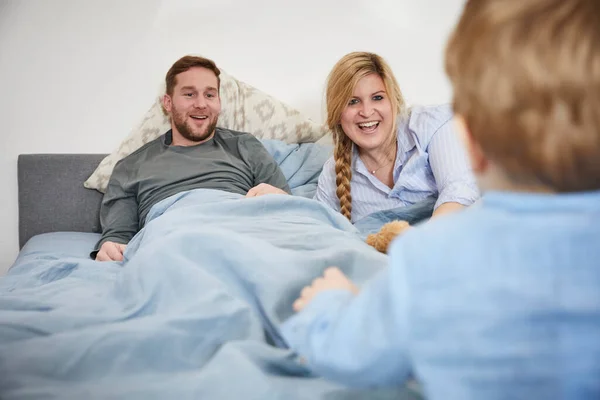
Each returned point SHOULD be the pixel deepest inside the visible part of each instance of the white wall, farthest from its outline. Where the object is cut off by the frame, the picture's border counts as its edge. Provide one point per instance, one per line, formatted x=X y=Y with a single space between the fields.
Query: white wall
x=77 y=75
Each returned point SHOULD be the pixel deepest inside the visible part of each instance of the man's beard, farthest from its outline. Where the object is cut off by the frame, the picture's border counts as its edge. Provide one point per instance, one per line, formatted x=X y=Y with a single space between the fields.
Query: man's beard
x=186 y=129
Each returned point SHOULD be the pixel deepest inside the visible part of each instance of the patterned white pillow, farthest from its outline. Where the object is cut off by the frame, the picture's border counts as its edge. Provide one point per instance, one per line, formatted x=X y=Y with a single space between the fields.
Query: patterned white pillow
x=243 y=108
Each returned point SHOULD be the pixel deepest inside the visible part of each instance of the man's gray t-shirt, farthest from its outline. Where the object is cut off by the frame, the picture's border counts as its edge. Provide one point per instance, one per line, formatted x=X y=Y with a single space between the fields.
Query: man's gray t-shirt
x=230 y=161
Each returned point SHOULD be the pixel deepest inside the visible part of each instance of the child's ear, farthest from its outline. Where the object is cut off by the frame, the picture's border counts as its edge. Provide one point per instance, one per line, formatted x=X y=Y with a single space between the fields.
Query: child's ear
x=479 y=162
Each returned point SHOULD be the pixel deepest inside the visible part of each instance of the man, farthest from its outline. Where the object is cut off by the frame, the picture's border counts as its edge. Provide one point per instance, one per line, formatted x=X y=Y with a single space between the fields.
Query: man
x=193 y=154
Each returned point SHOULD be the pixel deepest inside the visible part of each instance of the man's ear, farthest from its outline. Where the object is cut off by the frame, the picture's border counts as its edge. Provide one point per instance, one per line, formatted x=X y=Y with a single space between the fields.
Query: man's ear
x=479 y=162
x=167 y=103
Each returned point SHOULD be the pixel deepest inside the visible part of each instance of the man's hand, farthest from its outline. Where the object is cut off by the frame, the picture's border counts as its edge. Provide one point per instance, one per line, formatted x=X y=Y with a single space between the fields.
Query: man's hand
x=333 y=279
x=264 y=188
x=111 y=251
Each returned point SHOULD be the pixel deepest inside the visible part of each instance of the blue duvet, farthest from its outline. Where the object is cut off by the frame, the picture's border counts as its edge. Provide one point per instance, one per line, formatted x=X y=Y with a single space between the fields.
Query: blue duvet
x=191 y=313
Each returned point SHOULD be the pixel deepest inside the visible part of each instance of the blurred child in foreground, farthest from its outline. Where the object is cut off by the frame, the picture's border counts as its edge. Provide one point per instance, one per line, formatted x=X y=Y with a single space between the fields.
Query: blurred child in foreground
x=501 y=300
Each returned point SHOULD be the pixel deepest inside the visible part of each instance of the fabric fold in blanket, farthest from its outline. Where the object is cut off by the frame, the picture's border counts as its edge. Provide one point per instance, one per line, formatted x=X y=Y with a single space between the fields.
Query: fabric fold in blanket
x=193 y=312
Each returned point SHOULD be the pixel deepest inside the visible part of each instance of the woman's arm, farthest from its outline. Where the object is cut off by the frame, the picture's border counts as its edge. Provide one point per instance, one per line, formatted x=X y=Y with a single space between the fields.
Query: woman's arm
x=447 y=208
x=452 y=171
x=326 y=186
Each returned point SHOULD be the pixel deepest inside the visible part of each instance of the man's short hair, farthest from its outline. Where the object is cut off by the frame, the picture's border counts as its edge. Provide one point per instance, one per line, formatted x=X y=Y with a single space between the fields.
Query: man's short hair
x=185 y=63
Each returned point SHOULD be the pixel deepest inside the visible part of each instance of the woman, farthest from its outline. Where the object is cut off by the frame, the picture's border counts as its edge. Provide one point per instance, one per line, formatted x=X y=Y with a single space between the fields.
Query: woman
x=386 y=156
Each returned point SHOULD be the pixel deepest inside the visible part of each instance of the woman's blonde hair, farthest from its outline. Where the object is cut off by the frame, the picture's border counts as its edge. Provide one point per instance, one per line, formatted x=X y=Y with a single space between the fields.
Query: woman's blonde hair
x=526 y=79
x=340 y=86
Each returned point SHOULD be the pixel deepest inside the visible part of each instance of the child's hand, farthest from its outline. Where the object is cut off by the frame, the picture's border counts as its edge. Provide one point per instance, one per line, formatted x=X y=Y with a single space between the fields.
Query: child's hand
x=332 y=279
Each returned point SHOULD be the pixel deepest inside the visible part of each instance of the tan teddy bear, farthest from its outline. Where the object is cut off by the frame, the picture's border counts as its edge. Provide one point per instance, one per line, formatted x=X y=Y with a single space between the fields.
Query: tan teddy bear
x=382 y=239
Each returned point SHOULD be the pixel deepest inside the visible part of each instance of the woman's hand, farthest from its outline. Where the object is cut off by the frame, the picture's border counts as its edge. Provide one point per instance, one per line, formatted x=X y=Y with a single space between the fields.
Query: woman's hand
x=447 y=208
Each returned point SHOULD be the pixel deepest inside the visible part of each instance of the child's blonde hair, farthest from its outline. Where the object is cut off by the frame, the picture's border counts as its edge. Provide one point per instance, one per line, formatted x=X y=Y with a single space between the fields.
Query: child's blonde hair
x=526 y=78
x=340 y=85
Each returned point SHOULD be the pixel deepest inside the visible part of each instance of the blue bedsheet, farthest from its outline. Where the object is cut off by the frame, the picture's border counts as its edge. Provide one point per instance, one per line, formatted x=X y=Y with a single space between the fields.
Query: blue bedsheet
x=192 y=312
x=301 y=164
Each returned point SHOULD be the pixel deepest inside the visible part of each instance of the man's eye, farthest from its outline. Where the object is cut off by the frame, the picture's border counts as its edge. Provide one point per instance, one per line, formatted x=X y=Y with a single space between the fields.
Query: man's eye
x=210 y=95
x=188 y=94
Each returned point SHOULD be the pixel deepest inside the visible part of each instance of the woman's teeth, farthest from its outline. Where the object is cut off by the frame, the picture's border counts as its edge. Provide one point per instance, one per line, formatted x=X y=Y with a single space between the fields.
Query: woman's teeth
x=368 y=126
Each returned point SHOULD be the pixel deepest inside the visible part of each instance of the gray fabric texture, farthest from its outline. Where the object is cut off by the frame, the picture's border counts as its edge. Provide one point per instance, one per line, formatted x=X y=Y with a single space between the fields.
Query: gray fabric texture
x=52 y=197
x=231 y=161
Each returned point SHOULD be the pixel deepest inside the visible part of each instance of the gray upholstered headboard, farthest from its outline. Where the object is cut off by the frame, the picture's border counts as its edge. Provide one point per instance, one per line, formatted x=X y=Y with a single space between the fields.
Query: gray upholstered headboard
x=52 y=197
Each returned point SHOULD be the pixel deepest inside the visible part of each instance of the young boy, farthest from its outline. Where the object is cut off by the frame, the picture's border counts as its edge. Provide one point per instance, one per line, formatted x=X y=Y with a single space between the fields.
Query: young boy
x=502 y=300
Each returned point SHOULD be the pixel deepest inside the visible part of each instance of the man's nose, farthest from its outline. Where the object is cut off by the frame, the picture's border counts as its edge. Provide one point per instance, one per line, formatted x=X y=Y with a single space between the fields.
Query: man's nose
x=200 y=102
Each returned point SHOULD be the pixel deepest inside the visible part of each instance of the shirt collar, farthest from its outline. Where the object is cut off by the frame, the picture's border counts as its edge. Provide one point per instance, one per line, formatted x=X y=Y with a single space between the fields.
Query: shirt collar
x=406 y=138
x=574 y=202
x=168 y=138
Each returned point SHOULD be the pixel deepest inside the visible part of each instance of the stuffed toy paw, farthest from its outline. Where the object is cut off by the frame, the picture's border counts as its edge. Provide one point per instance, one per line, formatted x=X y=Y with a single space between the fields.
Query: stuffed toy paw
x=382 y=239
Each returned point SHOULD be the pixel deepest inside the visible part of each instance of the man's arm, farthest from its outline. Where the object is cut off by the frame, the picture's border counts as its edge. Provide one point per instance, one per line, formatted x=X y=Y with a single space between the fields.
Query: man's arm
x=118 y=217
x=358 y=340
x=264 y=167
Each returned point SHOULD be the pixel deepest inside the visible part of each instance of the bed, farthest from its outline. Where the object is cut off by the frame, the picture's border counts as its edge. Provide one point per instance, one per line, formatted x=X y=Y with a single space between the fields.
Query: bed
x=193 y=311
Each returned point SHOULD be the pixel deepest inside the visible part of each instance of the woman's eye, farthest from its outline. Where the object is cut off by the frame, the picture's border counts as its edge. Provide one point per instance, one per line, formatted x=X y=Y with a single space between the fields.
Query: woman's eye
x=353 y=102
x=378 y=97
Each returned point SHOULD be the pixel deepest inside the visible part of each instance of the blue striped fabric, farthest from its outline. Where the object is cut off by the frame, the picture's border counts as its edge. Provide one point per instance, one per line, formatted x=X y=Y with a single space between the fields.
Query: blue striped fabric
x=431 y=161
